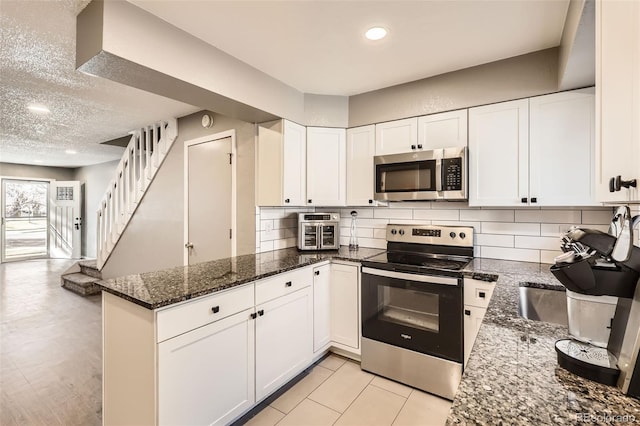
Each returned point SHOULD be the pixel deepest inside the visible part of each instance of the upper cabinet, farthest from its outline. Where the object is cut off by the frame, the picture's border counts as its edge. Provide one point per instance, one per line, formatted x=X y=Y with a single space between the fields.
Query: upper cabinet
x=445 y=130
x=361 y=145
x=618 y=101
x=498 y=154
x=281 y=164
x=326 y=166
x=537 y=151
x=394 y=137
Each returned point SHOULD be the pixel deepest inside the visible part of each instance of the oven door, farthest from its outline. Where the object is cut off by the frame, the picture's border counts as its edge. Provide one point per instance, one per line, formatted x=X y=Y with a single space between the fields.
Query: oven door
x=308 y=236
x=408 y=176
x=422 y=313
x=329 y=236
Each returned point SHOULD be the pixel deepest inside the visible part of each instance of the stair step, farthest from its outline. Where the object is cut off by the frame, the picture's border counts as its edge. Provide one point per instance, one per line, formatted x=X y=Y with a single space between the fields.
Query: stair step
x=90 y=267
x=80 y=283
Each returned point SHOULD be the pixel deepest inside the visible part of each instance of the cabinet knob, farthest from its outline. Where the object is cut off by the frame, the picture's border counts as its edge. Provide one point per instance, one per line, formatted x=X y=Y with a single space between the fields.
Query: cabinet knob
x=419 y=146
x=523 y=200
x=317 y=272
x=481 y=294
x=215 y=309
x=261 y=312
x=619 y=183
x=253 y=315
x=413 y=147
x=467 y=312
x=534 y=200
x=287 y=200
x=188 y=245
x=309 y=201
x=370 y=201
x=287 y=284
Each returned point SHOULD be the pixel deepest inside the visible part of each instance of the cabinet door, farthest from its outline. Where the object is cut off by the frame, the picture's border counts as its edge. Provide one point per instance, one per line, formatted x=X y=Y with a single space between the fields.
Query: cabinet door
x=321 y=307
x=284 y=340
x=498 y=154
x=562 y=149
x=206 y=376
x=394 y=137
x=361 y=145
x=472 y=320
x=618 y=93
x=294 y=165
x=445 y=130
x=326 y=166
x=345 y=305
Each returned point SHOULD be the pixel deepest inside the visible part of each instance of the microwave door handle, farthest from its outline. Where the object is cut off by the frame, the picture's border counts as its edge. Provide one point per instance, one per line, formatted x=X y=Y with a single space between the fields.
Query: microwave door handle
x=439 y=174
x=319 y=232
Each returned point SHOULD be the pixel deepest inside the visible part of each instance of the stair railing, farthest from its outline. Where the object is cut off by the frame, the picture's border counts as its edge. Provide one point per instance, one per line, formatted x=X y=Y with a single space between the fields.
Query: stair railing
x=141 y=160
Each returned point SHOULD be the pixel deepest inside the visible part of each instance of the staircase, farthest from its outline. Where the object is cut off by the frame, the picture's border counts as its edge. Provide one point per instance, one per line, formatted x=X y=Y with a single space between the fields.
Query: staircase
x=141 y=160
x=83 y=282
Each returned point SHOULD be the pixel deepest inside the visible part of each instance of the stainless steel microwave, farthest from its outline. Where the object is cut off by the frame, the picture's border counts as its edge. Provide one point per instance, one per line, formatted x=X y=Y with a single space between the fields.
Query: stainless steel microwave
x=439 y=174
x=318 y=231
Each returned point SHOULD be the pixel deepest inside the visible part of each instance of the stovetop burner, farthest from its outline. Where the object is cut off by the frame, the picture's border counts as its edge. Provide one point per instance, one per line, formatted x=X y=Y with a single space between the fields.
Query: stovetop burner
x=425 y=249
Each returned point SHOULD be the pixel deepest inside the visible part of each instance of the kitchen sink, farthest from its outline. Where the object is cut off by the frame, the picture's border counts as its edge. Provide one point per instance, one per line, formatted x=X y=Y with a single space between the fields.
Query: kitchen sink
x=541 y=304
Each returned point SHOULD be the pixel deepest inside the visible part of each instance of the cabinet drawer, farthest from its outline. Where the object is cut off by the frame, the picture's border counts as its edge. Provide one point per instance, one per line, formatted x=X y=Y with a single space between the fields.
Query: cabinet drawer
x=282 y=284
x=477 y=293
x=204 y=310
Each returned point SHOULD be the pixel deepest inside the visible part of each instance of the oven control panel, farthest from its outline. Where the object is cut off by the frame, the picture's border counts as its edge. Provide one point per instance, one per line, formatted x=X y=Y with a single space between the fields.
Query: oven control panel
x=461 y=236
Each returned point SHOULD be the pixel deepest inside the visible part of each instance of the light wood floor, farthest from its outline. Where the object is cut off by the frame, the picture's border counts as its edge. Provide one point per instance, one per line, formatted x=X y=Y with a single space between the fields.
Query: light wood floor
x=50 y=348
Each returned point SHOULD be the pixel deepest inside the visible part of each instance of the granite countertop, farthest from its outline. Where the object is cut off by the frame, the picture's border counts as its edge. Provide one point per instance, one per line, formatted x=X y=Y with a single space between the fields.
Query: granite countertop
x=513 y=377
x=153 y=290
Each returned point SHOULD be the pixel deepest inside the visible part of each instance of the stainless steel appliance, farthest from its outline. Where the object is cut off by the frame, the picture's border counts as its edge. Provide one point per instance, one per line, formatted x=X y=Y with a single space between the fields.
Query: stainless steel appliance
x=439 y=174
x=412 y=307
x=318 y=231
x=603 y=305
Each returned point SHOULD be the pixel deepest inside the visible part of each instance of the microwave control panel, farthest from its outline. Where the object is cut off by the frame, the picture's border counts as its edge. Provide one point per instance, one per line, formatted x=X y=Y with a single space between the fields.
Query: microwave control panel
x=452 y=174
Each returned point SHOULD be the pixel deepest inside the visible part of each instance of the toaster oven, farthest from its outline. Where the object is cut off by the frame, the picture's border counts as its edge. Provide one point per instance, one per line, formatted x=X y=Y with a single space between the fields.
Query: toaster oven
x=318 y=231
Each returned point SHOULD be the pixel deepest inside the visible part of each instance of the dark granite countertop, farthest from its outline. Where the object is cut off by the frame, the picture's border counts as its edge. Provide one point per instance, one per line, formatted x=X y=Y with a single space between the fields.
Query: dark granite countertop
x=513 y=377
x=162 y=288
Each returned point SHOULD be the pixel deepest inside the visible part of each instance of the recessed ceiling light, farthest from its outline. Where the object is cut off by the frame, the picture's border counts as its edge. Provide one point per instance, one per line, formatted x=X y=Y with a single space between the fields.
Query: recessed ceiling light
x=376 y=33
x=38 y=161
x=40 y=109
x=70 y=151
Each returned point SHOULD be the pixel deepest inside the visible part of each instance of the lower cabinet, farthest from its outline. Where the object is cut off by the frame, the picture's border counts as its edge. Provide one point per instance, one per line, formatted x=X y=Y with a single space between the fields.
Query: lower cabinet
x=345 y=306
x=284 y=343
x=321 y=307
x=477 y=294
x=206 y=376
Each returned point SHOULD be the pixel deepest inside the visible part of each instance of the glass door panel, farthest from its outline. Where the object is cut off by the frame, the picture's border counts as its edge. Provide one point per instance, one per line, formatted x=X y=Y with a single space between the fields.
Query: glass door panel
x=24 y=219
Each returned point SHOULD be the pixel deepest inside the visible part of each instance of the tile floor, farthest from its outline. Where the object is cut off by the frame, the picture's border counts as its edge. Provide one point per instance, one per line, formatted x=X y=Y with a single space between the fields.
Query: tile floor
x=50 y=366
x=337 y=392
x=50 y=348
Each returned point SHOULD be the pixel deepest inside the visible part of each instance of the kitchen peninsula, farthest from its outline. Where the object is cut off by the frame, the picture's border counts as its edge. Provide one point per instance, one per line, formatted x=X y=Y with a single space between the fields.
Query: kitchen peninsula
x=512 y=375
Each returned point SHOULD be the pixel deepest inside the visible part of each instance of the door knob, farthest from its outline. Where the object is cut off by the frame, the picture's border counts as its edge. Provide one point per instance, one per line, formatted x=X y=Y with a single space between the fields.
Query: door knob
x=188 y=245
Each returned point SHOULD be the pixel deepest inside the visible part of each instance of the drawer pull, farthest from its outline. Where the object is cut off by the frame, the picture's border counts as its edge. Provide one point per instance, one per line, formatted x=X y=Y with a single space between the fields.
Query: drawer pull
x=287 y=284
x=261 y=312
x=215 y=309
x=481 y=294
x=467 y=312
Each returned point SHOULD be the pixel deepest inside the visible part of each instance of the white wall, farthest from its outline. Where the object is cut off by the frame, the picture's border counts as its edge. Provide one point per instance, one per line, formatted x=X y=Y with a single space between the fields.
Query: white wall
x=95 y=179
x=529 y=235
x=154 y=238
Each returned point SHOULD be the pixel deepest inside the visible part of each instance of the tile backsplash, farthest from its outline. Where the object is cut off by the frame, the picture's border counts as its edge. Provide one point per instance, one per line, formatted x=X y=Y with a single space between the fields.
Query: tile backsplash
x=526 y=234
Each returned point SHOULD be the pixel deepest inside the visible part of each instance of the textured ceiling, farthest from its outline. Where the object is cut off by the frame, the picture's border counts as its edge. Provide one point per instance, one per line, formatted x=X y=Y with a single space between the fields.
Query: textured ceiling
x=318 y=46
x=37 y=65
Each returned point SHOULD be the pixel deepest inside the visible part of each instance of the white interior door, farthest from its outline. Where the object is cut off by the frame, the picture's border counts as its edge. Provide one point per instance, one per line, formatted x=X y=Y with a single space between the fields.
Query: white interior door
x=209 y=200
x=65 y=222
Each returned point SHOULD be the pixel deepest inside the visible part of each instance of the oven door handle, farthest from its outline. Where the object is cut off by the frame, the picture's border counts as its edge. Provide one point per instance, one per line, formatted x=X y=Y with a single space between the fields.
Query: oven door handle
x=439 y=174
x=411 y=277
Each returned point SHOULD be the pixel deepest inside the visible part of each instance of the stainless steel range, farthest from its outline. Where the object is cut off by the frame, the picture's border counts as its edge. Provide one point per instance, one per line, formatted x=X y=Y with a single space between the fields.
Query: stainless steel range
x=412 y=307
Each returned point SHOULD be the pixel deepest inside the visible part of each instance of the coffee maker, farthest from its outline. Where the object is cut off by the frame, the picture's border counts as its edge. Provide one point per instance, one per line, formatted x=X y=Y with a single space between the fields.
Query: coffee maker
x=601 y=272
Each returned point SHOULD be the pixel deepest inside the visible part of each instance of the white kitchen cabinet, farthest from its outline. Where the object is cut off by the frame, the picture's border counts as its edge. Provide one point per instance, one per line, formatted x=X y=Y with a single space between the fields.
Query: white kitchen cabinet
x=498 y=154
x=444 y=130
x=206 y=376
x=281 y=164
x=533 y=152
x=284 y=340
x=394 y=137
x=345 y=307
x=477 y=295
x=361 y=146
x=326 y=166
x=321 y=307
x=618 y=99
x=562 y=148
